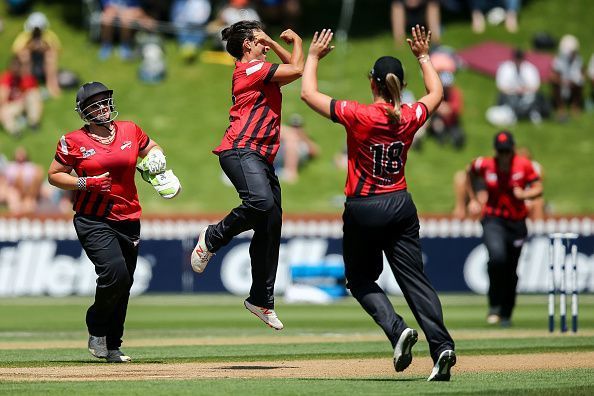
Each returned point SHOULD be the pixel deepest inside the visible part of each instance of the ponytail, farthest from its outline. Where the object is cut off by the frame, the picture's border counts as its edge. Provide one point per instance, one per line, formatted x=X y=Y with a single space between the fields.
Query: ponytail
x=393 y=88
x=235 y=34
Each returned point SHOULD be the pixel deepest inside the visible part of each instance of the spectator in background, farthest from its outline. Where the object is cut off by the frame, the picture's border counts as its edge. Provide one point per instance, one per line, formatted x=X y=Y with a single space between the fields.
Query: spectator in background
x=285 y=13
x=408 y=13
x=445 y=123
x=233 y=12
x=568 y=77
x=296 y=149
x=38 y=47
x=53 y=200
x=22 y=181
x=518 y=84
x=189 y=18
x=20 y=99
x=496 y=14
x=126 y=15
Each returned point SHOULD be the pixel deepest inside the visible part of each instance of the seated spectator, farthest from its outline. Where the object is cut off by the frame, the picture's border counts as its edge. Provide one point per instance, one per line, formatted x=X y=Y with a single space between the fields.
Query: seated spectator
x=285 y=13
x=518 y=83
x=127 y=15
x=53 y=200
x=189 y=18
x=234 y=11
x=20 y=100
x=296 y=149
x=23 y=180
x=568 y=77
x=407 y=13
x=509 y=13
x=38 y=48
x=445 y=124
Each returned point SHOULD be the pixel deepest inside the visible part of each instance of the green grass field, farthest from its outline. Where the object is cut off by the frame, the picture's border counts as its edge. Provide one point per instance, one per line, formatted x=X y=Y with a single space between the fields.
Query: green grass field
x=211 y=332
x=188 y=113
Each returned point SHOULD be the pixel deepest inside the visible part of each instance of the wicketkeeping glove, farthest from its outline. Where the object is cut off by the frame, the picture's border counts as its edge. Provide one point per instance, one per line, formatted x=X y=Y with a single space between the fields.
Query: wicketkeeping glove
x=155 y=161
x=165 y=183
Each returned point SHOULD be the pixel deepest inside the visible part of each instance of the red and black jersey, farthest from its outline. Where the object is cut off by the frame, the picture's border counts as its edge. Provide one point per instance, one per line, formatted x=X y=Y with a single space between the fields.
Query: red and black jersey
x=256 y=111
x=502 y=202
x=377 y=148
x=88 y=157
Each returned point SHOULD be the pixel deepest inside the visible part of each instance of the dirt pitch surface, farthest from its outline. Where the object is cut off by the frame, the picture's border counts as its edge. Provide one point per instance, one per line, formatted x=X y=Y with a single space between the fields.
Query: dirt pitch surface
x=96 y=370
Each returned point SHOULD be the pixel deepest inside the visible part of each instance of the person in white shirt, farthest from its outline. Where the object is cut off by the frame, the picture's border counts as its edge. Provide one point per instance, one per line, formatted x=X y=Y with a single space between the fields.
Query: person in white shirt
x=518 y=83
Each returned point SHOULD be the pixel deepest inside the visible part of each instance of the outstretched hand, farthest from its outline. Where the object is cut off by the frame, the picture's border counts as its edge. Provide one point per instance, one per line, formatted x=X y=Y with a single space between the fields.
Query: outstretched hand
x=419 y=45
x=320 y=44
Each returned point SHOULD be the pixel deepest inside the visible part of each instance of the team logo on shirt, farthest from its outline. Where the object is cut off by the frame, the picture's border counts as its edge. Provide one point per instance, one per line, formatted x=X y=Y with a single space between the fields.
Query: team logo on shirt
x=125 y=145
x=87 y=153
x=491 y=177
x=518 y=176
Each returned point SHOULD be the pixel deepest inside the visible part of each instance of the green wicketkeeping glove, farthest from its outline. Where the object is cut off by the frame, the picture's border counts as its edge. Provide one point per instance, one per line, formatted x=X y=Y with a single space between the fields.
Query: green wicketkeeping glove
x=165 y=183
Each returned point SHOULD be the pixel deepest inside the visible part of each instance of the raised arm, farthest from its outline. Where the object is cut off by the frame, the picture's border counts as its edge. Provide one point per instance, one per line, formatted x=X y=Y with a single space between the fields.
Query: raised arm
x=319 y=48
x=292 y=67
x=419 y=46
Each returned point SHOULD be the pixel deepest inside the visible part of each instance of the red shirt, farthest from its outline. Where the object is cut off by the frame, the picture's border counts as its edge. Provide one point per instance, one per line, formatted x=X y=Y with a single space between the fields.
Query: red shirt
x=88 y=157
x=256 y=111
x=17 y=86
x=377 y=148
x=453 y=97
x=500 y=185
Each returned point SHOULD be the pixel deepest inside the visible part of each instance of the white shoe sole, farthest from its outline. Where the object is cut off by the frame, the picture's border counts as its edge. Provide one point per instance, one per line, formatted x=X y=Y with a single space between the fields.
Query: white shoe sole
x=441 y=370
x=403 y=349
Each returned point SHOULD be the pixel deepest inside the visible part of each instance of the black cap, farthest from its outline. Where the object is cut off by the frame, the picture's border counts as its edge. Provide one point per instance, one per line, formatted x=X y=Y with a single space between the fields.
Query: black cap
x=504 y=141
x=90 y=89
x=385 y=65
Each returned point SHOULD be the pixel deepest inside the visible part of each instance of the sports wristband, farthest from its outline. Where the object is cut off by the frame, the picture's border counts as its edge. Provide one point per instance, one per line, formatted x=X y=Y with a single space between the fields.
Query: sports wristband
x=81 y=183
x=423 y=58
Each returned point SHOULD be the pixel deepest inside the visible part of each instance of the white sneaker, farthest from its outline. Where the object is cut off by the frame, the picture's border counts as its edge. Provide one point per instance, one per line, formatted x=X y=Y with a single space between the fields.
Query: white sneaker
x=200 y=254
x=267 y=316
x=117 y=356
x=403 y=349
x=441 y=370
x=98 y=346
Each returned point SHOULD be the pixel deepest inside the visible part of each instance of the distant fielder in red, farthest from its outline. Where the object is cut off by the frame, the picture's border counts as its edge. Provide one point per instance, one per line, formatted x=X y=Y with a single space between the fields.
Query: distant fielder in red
x=379 y=215
x=509 y=180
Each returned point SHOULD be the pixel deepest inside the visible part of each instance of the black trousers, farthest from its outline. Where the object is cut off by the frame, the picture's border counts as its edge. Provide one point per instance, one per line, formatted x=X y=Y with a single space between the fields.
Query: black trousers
x=388 y=223
x=504 y=240
x=112 y=246
x=260 y=210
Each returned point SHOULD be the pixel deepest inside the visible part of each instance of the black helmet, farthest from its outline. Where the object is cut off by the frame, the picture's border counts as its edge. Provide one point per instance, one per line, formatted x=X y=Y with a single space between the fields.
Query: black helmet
x=86 y=92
